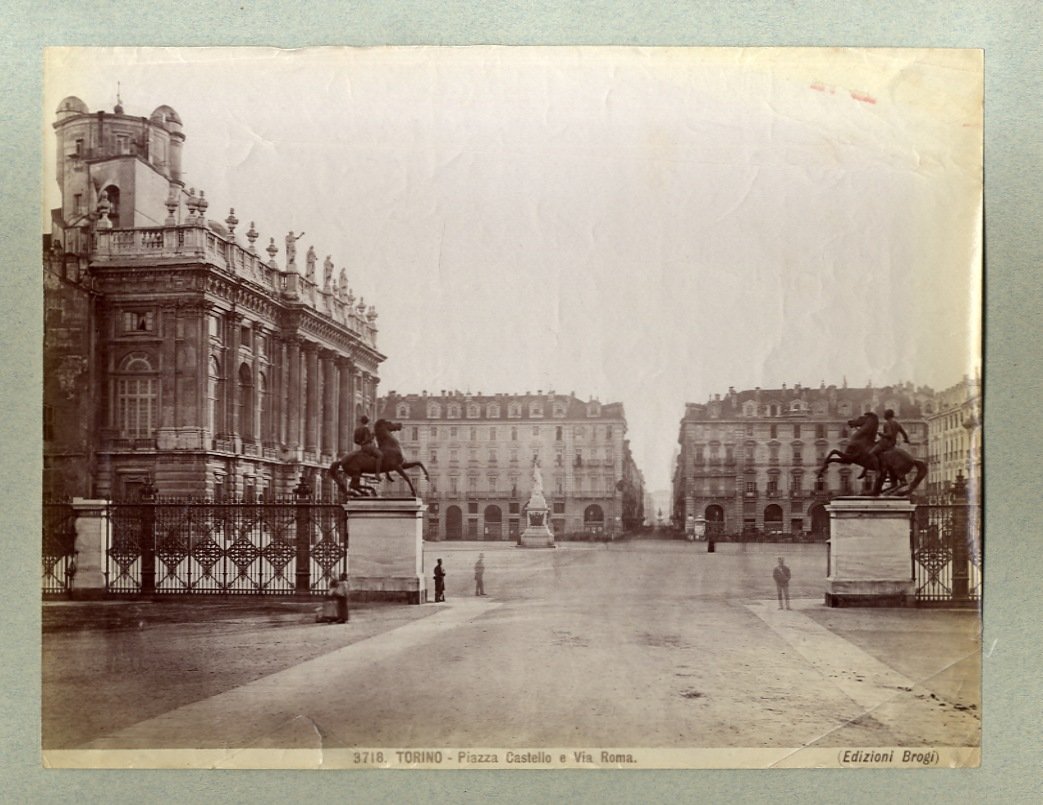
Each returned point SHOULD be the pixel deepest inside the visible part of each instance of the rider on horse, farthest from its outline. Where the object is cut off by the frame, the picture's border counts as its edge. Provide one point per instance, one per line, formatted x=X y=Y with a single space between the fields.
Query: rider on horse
x=889 y=435
x=367 y=442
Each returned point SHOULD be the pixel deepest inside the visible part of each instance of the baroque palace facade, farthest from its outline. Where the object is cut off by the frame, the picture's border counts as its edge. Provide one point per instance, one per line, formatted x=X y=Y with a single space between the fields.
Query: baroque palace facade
x=480 y=449
x=748 y=459
x=174 y=352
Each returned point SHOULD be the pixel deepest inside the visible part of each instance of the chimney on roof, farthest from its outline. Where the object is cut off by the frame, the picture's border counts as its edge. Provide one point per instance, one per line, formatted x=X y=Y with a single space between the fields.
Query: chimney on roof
x=539 y=393
x=424 y=393
x=783 y=386
x=717 y=397
x=796 y=386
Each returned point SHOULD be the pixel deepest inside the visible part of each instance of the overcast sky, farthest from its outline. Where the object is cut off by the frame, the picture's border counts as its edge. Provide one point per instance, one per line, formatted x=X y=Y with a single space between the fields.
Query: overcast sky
x=647 y=226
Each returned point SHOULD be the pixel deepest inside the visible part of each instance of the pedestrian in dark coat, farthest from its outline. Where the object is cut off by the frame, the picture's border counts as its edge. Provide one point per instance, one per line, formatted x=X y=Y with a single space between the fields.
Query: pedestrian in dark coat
x=340 y=592
x=781 y=574
x=479 y=575
x=439 y=582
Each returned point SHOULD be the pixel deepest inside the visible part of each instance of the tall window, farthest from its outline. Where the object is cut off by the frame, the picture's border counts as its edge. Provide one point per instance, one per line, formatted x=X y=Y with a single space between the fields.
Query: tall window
x=264 y=412
x=215 y=398
x=137 y=408
x=245 y=403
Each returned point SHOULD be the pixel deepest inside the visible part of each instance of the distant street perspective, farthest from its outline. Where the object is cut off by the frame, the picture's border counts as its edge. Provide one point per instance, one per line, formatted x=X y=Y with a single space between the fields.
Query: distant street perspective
x=637 y=643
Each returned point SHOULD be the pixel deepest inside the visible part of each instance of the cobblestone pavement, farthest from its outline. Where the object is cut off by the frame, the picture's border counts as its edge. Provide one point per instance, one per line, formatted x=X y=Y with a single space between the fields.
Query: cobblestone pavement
x=632 y=644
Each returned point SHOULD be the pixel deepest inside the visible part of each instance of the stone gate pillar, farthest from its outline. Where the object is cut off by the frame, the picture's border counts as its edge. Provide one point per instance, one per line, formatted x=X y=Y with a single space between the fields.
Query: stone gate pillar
x=870 y=552
x=92 y=537
x=386 y=550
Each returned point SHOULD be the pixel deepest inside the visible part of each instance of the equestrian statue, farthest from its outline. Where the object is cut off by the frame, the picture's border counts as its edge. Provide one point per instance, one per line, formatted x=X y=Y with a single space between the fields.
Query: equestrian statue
x=883 y=457
x=378 y=452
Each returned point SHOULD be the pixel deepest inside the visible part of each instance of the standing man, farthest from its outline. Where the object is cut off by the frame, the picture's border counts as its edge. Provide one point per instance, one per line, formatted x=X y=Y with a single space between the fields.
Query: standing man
x=479 y=573
x=781 y=575
x=439 y=582
x=70 y=573
x=367 y=442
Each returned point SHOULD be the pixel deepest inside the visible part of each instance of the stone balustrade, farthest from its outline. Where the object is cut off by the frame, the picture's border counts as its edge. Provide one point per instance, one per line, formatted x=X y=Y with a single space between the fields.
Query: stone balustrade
x=194 y=240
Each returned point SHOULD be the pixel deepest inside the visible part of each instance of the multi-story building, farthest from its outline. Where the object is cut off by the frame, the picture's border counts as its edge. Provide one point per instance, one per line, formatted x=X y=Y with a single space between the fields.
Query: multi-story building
x=954 y=433
x=175 y=352
x=480 y=449
x=748 y=460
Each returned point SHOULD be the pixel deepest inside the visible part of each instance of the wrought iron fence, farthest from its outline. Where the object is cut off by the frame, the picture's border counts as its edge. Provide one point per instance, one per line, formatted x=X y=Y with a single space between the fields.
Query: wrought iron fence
x=198 y=547
x=59 y=545
x=947 y=553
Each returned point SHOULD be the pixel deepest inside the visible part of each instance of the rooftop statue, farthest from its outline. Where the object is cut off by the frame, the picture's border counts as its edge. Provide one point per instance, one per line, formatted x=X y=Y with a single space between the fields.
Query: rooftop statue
x=291 y=247
x=327 y=267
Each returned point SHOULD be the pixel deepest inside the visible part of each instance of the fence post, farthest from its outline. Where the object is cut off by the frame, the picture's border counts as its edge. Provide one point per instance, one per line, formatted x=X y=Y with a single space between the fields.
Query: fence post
x=302 y=496
x=148 y=537
x=960 y=556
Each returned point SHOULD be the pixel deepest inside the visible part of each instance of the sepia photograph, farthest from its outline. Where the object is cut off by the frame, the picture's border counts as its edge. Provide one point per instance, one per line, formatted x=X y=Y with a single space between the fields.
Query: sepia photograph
x=512 y=407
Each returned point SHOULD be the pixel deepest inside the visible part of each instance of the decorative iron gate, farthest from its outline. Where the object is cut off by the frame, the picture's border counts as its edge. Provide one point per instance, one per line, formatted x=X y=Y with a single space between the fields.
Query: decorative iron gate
x=198 y=547
x=59 y=545
x=947 y=553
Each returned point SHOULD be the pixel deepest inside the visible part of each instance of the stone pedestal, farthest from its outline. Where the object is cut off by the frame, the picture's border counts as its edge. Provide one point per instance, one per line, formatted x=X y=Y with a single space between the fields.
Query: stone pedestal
x=537 y=533
x=385 y=550
x=92 y=529
x=870 y=552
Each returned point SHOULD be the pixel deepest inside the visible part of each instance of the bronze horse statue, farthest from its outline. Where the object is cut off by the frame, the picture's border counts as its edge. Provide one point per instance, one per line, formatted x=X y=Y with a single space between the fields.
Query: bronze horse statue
x=356 y=463
x=894 y=464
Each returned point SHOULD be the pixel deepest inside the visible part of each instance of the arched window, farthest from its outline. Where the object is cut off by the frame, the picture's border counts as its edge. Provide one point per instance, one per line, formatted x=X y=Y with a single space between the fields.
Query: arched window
x=246 y=403
x=113 y=193
x=215 y=398
x=137 y=405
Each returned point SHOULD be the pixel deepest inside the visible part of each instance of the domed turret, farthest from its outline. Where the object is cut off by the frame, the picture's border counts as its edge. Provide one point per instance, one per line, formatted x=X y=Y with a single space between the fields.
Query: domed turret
x=71 y=106
x=166 y=117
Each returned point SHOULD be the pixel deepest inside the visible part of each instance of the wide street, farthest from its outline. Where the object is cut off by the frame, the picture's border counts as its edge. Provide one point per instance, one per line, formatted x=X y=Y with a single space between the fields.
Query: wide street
x=635 y=644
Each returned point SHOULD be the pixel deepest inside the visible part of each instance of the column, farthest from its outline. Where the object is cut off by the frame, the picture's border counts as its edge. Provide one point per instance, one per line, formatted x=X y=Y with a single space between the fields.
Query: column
x=260 y=434
x=311 y=402
x=231 y=372
x=293 y=393
x=359 y=392
x=329 y=409
x=279 y=391
x=168 y=416
x=203 y=353
x=344 y=413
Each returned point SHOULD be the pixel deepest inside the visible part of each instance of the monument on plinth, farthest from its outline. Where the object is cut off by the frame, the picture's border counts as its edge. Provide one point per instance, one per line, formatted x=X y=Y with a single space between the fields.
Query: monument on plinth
x=537 y=533
x=385 y=535
x=870 y=552
x=386 y=550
